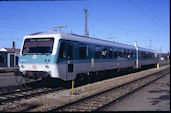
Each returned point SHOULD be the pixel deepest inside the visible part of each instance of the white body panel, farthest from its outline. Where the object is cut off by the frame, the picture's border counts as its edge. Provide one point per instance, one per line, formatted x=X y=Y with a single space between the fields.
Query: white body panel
x=86 y=67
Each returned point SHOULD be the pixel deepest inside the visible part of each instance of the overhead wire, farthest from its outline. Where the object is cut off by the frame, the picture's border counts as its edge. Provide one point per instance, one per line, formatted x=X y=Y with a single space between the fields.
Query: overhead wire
x=154 y=14
x=149 y=17
x=13 y=25
x=119 y=26
x=100 y=19
x=20 y=22
x=107 y=16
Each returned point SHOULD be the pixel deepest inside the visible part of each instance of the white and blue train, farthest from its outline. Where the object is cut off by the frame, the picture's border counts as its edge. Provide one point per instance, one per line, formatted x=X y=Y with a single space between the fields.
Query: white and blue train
x=64 y=56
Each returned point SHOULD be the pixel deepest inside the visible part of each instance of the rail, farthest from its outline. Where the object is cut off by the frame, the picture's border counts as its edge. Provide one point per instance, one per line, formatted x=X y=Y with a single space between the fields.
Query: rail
x=17 y=95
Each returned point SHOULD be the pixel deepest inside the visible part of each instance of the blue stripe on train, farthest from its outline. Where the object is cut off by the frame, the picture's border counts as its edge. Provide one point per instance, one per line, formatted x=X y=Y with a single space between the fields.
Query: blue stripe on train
x=40 y=59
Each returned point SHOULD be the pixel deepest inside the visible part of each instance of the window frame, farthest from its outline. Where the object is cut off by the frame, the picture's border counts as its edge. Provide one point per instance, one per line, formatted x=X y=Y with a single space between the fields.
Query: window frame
x=86 y=51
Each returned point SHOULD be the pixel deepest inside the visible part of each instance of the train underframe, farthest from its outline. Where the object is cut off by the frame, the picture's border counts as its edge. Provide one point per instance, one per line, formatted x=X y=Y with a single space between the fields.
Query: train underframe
x=83 y=78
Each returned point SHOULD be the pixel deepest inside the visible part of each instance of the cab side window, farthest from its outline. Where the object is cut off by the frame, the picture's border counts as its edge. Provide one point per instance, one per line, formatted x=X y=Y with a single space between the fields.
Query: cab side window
x=70 y=51
x=97 y=52
x=62 y=53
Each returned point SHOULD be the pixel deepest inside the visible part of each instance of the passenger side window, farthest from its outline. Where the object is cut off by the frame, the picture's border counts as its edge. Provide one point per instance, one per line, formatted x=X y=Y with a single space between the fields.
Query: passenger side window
x=83 y=51
x=70 y=51
x=128 y=54
x=115 y=53
x=139 y=54
x=110 y=53
x=133 y=54
x=104 y=52
x=124 y=53
x=62 y=53
x=97 y=52
x=120 y=53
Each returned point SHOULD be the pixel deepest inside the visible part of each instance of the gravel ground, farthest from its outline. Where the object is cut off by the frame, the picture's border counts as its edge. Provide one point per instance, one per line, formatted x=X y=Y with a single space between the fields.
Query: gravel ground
x=52 y=100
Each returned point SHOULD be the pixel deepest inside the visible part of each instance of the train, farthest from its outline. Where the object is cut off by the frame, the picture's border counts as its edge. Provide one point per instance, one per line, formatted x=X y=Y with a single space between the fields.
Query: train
x=65 y=56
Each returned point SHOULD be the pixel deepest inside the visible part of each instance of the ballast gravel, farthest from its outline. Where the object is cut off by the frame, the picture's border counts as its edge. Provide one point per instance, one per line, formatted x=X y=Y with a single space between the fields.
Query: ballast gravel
x=52 y=100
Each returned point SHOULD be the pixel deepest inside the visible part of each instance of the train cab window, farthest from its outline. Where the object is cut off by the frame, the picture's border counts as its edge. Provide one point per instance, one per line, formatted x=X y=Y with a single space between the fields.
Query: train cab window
x=110 y=53
x=83 y=51
x=115 y=53
x=62 y=53
x=70 y=51
x=38 y=46
x=104 y=52
x=97 y=52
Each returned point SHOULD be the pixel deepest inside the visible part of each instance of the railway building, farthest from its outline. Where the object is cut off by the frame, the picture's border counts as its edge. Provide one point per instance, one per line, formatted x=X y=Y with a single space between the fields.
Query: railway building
x=9 y=57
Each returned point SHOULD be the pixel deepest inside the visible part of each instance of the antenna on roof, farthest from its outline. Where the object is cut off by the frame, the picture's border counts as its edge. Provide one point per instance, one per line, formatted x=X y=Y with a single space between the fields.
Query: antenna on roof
x=60 y=27
x=110 y=38
x=135 y=43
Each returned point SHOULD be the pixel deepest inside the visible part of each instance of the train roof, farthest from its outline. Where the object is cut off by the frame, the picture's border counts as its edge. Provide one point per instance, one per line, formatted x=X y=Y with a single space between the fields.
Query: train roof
x=147 y=50
x=81 y=38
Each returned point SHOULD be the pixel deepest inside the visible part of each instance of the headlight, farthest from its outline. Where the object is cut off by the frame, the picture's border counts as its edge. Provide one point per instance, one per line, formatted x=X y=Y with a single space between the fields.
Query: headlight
x=22 y=66
x=47 y=66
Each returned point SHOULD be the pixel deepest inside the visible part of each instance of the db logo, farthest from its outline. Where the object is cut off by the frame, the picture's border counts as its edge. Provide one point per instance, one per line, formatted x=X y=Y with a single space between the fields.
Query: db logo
x=34 y=56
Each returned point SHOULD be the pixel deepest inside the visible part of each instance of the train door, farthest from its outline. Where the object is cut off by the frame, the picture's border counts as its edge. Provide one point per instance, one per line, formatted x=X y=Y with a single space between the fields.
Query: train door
x=70 y=60
x=137 y=60
x=62 y=59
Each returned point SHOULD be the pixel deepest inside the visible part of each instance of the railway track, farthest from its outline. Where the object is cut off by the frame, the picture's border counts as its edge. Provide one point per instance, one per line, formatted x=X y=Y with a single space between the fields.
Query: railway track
x=102 y=99
x=17 y=95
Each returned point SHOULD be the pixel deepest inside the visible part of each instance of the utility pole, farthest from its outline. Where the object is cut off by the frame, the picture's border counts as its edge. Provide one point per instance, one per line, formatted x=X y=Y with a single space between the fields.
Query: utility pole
x=85 y=12
x=160 y=50
x=160 y=53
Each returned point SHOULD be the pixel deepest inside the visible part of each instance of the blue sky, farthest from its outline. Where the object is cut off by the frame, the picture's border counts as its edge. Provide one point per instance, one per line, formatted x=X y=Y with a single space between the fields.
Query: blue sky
x=124 y=21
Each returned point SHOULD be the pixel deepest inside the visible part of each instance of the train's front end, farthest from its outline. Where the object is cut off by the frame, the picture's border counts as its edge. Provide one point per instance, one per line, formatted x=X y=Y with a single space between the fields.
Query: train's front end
x=37 y=56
